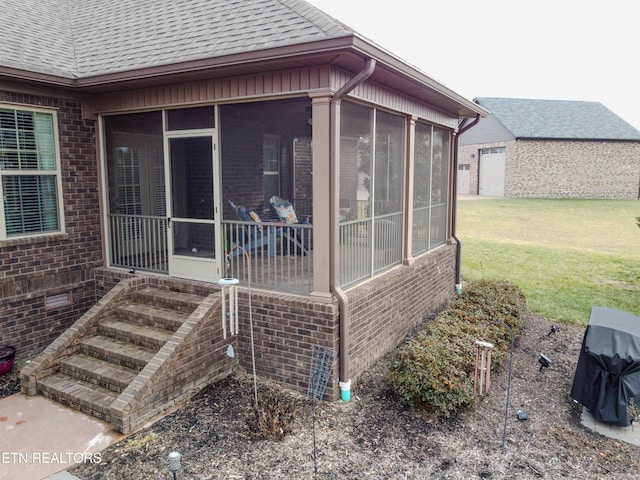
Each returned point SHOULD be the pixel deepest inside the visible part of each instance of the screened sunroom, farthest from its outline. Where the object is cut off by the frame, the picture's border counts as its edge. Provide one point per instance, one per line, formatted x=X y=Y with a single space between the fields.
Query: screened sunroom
x=189 y=192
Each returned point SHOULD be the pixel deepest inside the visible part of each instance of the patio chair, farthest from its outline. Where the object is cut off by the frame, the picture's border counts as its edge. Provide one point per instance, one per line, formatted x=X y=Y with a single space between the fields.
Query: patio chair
x=252 y=237
x=283 y=211
x=263 y=233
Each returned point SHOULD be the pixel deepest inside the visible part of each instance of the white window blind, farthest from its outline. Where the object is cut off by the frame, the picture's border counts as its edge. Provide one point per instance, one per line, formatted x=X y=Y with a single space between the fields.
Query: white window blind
x=271 y=166
x=29 y=173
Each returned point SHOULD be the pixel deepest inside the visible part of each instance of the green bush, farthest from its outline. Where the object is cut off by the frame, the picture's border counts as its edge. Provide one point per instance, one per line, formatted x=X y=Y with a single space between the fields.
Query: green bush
x=424 y=372
x=435 y=368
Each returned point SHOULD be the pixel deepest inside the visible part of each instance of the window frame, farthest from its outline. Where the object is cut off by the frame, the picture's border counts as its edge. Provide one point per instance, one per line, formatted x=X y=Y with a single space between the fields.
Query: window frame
x=39 y=172
x=271 y=143
x=436 y=227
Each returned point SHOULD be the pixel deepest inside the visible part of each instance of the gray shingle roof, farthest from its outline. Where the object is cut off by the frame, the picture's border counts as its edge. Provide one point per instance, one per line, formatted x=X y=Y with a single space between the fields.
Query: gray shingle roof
x=82 y=38
x=565 y=119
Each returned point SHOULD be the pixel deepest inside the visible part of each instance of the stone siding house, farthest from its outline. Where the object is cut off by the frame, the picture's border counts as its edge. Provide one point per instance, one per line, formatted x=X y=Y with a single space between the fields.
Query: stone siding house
x=141 y=144
x=549 y=148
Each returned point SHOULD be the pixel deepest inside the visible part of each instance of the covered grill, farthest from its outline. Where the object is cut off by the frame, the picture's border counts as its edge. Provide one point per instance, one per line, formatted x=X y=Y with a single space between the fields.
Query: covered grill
x=608 y=372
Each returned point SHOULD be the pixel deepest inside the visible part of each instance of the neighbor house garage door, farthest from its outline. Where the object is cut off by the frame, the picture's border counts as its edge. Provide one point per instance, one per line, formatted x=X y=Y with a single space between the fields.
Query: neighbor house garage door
x=491 y=172
x=464 y=177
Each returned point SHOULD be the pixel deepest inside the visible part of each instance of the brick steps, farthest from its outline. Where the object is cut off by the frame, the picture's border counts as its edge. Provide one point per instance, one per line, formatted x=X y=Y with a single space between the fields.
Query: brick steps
x=100 y=372
x=117 y=351
x=153 y=316
x=106 y=363
x=142 y=335
x=183 y=302
x=77 y=394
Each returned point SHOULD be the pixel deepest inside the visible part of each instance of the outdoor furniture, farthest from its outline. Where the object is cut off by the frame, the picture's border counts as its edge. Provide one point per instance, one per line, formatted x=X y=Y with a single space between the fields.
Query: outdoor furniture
x=283 y=211
x=252 y=237
x=264 y=233
x=608 y=372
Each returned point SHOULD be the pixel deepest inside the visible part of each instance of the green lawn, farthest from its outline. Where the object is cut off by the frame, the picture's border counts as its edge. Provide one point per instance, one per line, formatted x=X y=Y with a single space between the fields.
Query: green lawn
x=566 y=255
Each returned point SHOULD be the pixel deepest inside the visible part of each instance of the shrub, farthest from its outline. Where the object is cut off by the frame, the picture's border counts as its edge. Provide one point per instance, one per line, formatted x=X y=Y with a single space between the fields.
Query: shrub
x=435 y=368
x=273 y=417
x=424 y=372
x=488 y=301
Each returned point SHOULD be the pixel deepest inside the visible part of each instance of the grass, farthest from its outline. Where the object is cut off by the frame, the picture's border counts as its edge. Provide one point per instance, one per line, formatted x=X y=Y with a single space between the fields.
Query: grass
x=566 y=255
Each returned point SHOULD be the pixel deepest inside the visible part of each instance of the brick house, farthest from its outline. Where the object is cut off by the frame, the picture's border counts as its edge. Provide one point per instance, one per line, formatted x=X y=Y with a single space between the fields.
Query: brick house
x=549 y=148
x=126 y=140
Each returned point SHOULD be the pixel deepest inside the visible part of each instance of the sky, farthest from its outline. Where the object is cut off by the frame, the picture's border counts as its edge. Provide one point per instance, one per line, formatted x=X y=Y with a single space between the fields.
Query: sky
x=556 y=50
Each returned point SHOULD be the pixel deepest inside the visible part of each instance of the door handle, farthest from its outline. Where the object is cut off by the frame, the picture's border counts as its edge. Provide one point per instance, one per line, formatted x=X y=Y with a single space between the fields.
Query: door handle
x=169 y=222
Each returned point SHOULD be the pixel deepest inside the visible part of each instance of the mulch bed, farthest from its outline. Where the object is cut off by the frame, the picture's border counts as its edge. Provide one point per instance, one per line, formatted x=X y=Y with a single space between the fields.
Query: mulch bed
x=376 y=436
x=10 y=383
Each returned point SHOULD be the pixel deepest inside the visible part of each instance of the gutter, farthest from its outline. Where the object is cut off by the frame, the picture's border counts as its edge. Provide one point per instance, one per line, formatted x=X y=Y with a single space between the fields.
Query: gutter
x=454 y=201
x=343 y=301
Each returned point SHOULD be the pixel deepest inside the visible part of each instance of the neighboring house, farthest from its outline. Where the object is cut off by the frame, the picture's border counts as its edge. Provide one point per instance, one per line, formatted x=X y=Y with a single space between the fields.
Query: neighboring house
x=549 y=148
x=128 y=130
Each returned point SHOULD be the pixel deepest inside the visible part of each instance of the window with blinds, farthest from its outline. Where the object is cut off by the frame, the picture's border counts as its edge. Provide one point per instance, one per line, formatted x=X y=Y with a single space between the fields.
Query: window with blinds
x=271 y=166
x=29 y=173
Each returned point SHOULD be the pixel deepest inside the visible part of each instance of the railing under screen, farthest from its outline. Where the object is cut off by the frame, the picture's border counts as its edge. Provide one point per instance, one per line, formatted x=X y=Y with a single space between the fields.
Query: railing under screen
x=420 y=230
x=429 y=227
x=139 y=242
x=280 y=255
x=369 y=246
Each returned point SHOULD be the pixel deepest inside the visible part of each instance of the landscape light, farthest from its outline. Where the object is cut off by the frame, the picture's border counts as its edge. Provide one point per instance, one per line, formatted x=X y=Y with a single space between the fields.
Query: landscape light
x=174 y=463
x=544 y=361
x=554 y=329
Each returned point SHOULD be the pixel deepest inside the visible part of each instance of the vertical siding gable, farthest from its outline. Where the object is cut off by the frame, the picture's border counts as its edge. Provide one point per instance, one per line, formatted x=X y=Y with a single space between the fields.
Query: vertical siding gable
x=391 y=99
x=487 y=130
x=268 y=84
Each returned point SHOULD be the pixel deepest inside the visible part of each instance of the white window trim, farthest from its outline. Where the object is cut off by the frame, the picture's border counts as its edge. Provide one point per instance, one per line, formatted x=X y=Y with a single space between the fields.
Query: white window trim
x=57 y=172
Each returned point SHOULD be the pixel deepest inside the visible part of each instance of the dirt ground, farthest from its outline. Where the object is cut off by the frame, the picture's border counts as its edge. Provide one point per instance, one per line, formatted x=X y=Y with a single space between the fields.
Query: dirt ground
x=375 y=436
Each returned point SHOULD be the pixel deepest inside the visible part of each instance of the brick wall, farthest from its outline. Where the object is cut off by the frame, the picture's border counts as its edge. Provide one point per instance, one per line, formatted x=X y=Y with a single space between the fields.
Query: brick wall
x=34 y=268
x=564 y=169
x=285 y=327
x=383 y=312
x=285 y=330
x=303 y=165
x=386 y=309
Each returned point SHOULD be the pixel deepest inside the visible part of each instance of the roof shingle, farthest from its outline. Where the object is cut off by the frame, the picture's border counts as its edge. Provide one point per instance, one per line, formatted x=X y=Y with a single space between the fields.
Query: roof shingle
x=561 y=119
x=76 y=39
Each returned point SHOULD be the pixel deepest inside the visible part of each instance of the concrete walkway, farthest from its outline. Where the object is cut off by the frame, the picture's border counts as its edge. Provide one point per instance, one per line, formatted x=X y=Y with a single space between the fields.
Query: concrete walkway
x=630 y=434
x=40 y=439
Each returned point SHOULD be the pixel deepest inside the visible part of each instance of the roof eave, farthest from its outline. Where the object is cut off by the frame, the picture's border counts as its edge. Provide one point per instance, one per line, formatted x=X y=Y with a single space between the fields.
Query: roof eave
x=331 y=50
x=36 y=77
x=576 y=139
x=227 y=62
x=469 y=108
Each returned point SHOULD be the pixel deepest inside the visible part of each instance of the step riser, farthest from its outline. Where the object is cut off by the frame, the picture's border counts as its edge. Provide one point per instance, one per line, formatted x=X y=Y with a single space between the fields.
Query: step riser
x=113 y=384
x=76 y=397
x=113 y=357
x=150 y=319
x=132 y=337
x=97 y=412
x=168 y=299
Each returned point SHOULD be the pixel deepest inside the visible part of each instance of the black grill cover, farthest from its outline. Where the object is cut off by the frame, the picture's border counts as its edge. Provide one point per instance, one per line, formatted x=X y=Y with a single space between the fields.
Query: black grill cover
x=608 y=371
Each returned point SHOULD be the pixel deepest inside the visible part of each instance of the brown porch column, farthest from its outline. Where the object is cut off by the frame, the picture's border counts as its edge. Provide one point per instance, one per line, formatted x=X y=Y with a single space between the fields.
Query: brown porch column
x=321 y=152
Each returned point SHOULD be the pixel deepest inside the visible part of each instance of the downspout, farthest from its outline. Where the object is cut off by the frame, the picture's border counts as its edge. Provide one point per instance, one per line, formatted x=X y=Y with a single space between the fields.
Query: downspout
x=345 y=374
x=454 y=200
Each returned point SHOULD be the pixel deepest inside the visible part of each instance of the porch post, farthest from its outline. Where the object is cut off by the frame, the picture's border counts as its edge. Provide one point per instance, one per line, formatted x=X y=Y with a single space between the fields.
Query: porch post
x=407 y=258
x=321 y=153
